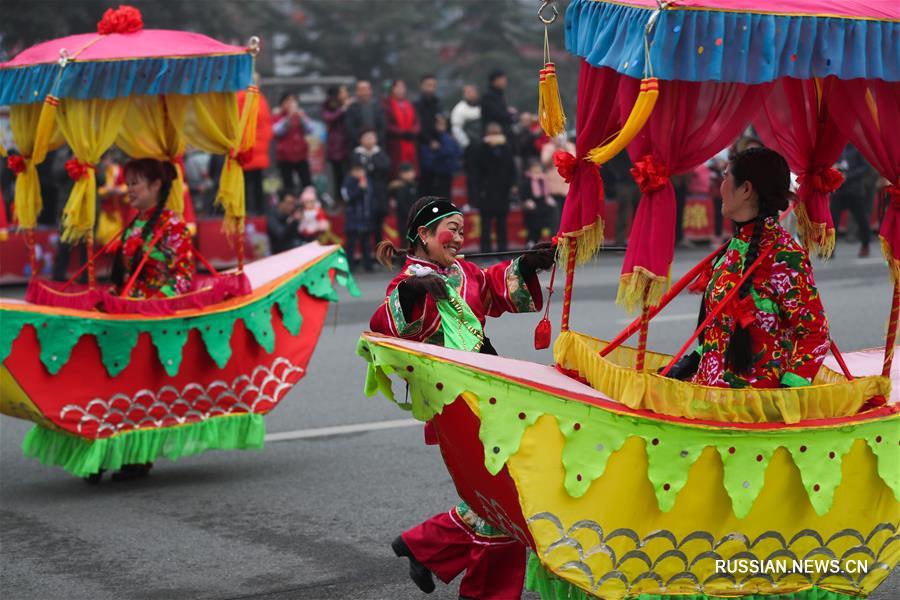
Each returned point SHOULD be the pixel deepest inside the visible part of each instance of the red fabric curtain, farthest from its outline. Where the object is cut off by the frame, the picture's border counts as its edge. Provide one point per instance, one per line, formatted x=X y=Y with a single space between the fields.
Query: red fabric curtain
x=597 y=119
x=795 y=121
x=691 y=122
x=868 y=113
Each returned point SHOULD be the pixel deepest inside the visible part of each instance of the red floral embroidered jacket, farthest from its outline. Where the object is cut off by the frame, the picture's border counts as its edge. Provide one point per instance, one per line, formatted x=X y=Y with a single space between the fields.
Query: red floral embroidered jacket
x=789 y=331
x=168 y=270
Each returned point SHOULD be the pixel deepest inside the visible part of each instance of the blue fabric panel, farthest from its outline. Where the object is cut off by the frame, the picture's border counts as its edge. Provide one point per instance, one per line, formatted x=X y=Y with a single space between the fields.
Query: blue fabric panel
x=115 y=79
x=751 y=48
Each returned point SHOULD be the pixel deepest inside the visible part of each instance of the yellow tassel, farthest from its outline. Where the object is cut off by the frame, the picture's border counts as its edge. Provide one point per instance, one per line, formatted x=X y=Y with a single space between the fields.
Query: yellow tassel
x=640 y=112
x=550 y=109
x=814 y=237
x=589 y=239
x=641 y=283
x=893 y=263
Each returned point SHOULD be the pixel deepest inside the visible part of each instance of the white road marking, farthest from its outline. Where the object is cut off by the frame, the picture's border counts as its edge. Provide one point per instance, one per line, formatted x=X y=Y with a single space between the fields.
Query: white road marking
x=663 y=319
x=300 y=434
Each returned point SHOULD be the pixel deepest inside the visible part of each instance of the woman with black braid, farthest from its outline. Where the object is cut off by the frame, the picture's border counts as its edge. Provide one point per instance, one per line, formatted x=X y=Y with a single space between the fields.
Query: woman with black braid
x=774 y=333
x=168 y=270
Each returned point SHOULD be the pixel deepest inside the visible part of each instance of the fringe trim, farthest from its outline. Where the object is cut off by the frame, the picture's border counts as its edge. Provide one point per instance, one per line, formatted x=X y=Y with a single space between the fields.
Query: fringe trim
x=588 y=241
x=892 y=263
x=633 y=287
x=815 y=237
x=82 y=457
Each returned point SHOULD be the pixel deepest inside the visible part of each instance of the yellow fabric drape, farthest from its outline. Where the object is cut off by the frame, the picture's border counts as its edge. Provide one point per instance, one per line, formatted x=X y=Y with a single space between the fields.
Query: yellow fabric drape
x=211 y=123
x=830 y=396
x=90 y=127
x=36 y=133
x=148 y=132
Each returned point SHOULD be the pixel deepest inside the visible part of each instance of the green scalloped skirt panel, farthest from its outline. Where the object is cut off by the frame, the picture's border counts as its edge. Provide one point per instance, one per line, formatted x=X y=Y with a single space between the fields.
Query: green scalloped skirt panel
x=58 y=334
x=550 y=587
x=592 y=434
x=82 y=457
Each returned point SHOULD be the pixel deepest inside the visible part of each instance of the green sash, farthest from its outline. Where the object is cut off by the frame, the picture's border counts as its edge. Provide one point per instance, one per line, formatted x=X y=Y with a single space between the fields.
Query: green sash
x=462 y=329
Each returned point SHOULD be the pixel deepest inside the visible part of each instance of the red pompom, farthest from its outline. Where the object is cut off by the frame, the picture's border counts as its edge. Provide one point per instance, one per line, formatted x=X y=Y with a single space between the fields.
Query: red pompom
x=77 y=169
x=650 y=174
x=565 y=164
x=125 y=19
x=16 y=164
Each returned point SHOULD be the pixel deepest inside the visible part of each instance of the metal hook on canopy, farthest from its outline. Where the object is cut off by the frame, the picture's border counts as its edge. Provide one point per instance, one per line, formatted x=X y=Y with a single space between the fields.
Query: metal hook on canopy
x=253 y=45
x=648 y=31
x=64 y=57
x=544 y=5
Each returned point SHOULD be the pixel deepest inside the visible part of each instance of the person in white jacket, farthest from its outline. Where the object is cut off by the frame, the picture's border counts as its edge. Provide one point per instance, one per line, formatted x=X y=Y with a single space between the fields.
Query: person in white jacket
x=465 y=122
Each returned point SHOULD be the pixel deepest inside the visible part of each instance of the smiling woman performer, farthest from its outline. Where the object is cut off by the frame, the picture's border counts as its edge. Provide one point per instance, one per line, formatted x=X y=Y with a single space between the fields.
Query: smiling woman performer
x=774 y=333
x=167 y=271
x=440 y=299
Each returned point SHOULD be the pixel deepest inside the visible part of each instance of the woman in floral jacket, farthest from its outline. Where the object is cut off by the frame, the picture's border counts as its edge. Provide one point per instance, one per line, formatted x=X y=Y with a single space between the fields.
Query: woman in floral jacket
x=774 y=332
x=168 y=270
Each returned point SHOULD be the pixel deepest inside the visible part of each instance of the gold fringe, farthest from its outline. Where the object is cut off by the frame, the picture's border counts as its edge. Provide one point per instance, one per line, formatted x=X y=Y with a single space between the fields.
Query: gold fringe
x=633 y=287
x=588 y=240
x=814 y=236
x=892 y=263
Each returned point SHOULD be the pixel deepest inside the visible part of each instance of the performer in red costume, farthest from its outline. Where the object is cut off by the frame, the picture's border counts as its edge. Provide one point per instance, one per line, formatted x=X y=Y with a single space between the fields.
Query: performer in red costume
x=440 y=299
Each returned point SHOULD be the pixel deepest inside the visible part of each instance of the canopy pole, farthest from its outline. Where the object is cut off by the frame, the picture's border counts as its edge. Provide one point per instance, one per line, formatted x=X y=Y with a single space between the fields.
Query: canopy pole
x=92 y=272
x=891 y=338
x=240 y=243
x=570 y=278
x=642 y=338
x=32 y=257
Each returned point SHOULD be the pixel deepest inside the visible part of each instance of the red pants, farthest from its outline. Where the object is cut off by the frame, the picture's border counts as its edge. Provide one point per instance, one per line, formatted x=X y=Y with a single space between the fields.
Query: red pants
x=494 y=566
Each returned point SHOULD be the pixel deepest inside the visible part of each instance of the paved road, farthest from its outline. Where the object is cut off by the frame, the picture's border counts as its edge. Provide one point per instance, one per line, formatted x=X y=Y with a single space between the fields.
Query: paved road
x=309 y=518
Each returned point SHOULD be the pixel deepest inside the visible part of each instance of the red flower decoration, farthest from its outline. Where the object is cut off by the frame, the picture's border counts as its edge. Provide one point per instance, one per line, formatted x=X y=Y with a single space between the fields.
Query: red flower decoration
x=16 y=164
x=893 y=194
x=132 y=245
x=244 y=158
x=743 y=310
x=824 y=179
x=77 y=169
x=650 y=174
x=125 y=19
x=565 y=164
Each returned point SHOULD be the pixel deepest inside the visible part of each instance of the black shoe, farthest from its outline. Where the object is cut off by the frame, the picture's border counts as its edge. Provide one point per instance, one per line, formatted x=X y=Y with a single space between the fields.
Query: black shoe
x=418 y=572
x=95 y=478
x=132 y=472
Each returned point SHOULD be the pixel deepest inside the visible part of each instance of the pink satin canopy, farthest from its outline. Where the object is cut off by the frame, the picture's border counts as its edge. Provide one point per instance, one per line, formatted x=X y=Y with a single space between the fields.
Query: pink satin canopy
x=147 y=43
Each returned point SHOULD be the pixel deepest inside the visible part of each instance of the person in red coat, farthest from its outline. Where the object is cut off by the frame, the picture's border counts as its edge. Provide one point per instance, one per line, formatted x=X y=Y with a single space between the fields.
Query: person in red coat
x=403 y=128
x=291 y=147
x=440 y=299
x=258 y=162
